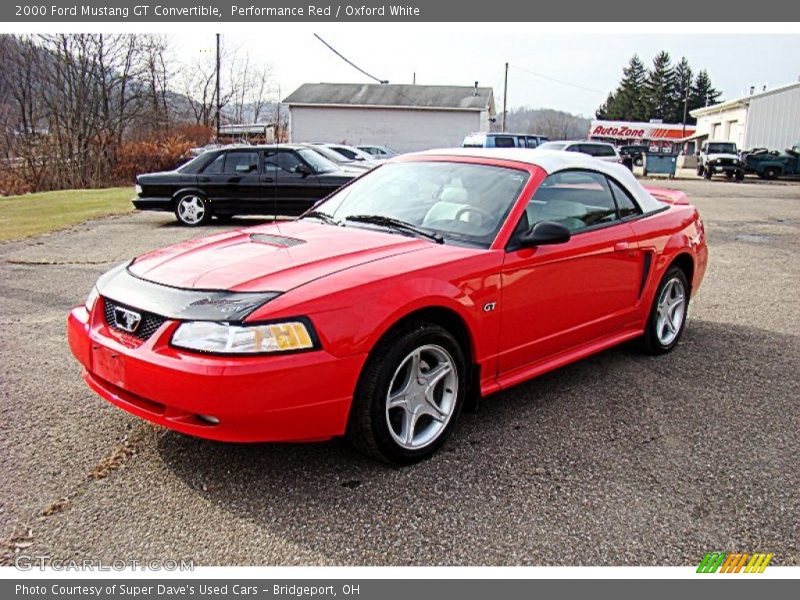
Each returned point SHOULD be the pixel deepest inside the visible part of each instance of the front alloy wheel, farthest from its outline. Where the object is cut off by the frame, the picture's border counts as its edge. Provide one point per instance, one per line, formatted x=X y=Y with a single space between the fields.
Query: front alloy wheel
x=409 y=395
x=192 y=210
x=668 y=315
x=421 y=397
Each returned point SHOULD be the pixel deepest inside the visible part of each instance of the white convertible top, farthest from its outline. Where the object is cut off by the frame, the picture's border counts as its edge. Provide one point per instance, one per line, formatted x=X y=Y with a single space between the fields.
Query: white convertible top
x=552 y=161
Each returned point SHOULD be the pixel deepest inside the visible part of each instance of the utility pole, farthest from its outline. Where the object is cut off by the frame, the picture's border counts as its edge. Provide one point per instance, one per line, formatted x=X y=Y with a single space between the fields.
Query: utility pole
x=686 y=107
x=217 y=94
x=505 y=97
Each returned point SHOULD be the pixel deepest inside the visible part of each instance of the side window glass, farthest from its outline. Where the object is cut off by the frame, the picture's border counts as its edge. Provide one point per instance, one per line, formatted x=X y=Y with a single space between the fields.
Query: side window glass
x=576 y=199
x=626 y=205
x=285 y=160
x=503 y=142
x=241 y=162
x=216 y=166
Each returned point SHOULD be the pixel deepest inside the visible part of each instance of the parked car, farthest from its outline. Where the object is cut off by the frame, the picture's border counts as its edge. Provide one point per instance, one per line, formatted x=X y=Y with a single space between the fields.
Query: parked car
x=503 y=140
x=378 y=152
x=599 y=150
x=635 y=152
x=357 y=167
x=352 y=153
x=241 y=180
x=719 y=157
x=403 y=297
x=772 y=164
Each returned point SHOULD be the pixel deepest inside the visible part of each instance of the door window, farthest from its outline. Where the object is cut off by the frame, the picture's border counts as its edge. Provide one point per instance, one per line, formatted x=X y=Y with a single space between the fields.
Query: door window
x=283 y=160
x=216 y=166
x=626 y=205
x=241 y=162
x=577 y=199
x=503 y=142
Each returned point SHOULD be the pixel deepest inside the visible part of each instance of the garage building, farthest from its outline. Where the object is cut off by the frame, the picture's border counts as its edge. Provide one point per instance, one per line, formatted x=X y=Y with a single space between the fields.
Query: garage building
x=405 y=118
x=766 y=119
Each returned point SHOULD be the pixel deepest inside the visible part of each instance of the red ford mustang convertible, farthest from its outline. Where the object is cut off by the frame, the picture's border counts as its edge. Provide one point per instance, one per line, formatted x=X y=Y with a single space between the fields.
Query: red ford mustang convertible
x=434 y=280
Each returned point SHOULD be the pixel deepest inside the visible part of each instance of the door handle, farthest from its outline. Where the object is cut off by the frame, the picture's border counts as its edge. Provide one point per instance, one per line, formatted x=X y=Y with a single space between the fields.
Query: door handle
x=268 y=180
x=621 y=247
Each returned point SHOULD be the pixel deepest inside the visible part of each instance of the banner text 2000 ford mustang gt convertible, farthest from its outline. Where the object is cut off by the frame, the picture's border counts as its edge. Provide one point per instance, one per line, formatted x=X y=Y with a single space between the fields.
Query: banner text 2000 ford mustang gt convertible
x=427 y=283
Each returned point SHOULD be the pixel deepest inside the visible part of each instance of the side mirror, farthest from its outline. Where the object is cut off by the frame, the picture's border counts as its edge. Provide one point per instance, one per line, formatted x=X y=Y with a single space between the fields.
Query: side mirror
x=302 y=170
x=546 y=233
x=245 y=169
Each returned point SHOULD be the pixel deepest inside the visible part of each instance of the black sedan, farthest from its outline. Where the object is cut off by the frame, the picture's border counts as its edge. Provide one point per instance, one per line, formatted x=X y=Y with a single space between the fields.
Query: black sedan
x=276 y=180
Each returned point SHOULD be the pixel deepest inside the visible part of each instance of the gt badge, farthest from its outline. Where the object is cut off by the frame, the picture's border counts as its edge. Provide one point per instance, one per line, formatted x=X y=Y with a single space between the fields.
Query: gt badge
x=489 y=306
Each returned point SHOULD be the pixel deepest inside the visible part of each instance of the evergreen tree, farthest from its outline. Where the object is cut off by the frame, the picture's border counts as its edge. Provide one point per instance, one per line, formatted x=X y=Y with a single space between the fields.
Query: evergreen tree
x=659 y=89
x=702 y=93
x=683 y=85
x=658 y=93
x=625 y=103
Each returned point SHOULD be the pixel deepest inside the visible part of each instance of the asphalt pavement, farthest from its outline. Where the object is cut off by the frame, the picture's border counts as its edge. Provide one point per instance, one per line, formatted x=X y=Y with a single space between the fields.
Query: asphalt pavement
x=620 y=459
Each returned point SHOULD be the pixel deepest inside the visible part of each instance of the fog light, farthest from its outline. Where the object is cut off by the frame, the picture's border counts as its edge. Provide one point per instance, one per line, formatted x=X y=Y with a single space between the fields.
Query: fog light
x=211 y=420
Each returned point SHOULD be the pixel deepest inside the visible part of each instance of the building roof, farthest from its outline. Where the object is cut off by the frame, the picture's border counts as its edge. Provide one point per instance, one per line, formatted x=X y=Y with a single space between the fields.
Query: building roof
x=743 y=101
x=428 y=97
x=552 y=161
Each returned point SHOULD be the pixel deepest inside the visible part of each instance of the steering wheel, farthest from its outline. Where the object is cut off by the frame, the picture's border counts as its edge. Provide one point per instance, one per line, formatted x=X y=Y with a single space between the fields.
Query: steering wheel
x=484 y=215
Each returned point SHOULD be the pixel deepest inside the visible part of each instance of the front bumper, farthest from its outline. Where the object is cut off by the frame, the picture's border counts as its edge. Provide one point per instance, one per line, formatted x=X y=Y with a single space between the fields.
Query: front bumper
x=298 y=397
x=725 y=168
x=145 y=203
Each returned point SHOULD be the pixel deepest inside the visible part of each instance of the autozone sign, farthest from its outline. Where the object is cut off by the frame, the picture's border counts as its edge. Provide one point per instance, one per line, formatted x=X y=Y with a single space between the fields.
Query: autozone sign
x=641 y=131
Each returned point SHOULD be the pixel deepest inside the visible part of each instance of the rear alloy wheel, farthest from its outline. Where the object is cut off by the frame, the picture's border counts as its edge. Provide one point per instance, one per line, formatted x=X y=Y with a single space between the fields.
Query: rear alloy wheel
x=409 y=395
x=192 y=210
x=770 y=173
x=668 y=315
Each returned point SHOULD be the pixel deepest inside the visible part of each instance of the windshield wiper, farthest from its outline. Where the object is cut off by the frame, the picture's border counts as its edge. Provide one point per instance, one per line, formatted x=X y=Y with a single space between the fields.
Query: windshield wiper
x=324 y=217
x=396 y=224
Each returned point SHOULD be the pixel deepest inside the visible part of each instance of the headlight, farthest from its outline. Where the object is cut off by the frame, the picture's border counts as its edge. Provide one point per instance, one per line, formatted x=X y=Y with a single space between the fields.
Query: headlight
x=91 y=299
x=223 y=338
x=138 y=190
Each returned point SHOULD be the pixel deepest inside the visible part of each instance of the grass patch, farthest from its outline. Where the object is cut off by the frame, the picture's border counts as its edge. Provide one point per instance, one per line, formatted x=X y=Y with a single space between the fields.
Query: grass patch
x=34 y=214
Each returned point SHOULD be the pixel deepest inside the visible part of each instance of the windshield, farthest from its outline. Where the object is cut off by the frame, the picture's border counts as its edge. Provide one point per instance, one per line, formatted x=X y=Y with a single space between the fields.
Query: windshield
x=722 y=148
x=460 y=201
x=320 y=164
x=552 y=146
x=330 y=154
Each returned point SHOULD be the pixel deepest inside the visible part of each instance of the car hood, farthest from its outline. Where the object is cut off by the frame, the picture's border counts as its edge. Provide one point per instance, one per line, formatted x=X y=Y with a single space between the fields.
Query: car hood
x=275 y=257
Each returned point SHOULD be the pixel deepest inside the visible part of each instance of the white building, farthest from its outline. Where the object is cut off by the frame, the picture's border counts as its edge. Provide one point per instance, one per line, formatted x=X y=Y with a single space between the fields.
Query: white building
x=405 y=118
x=767 y=119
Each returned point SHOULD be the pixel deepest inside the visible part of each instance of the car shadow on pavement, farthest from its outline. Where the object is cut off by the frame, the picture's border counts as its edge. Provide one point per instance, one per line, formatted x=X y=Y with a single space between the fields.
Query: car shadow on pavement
x=618 y=459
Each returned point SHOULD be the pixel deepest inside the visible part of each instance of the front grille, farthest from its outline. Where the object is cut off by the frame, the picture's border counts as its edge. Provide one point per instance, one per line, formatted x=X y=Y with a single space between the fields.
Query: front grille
x=725 y=162
x=147 y=326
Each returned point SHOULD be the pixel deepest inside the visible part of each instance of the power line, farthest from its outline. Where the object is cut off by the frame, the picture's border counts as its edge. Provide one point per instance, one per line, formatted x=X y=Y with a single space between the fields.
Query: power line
x=349 y=62
x=554 y=80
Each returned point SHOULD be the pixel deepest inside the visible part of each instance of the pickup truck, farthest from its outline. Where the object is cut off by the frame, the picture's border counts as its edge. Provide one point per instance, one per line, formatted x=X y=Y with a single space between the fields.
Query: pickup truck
x=772 y=164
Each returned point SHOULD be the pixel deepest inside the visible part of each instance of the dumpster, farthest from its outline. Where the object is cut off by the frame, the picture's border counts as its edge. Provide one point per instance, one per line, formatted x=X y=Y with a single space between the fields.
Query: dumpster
x=661 y=158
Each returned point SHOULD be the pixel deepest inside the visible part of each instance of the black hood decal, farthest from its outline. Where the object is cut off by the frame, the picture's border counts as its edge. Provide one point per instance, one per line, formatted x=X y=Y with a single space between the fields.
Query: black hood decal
x=125 y=288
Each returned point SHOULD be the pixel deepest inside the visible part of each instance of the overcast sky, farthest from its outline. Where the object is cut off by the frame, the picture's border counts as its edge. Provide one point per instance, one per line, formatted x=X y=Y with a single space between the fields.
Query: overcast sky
x=589 y=65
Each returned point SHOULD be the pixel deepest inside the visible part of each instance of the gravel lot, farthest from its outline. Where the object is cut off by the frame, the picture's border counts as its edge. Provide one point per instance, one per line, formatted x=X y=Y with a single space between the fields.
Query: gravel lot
x=618 y=459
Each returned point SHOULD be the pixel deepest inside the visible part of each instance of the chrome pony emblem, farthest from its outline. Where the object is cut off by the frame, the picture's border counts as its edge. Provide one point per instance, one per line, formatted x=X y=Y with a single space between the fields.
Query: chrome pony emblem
x=127 y=320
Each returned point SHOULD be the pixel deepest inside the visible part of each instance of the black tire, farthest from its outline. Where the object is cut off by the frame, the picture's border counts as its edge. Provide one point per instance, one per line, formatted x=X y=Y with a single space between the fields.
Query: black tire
x=771 y=173
x=739 y=175
x=651 y=344
x=202 y=211
x=707 y=173
x=368 y=428
x=700 y=170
